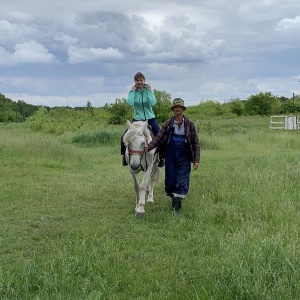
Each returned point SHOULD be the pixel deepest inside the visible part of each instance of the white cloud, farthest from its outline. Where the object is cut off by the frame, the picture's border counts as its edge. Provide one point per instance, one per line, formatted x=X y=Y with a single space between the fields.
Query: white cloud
x=193 y=49
x=289 y=24
x=66 y=39
x=85 y=55
x=26 y=53
x=32 y=52
x=12 y=33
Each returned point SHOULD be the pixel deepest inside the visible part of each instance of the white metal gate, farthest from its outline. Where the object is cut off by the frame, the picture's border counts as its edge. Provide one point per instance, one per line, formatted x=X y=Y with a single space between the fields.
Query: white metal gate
x=285 y=122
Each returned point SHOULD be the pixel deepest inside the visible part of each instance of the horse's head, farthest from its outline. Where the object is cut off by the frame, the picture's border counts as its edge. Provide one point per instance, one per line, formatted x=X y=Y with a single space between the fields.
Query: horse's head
x=135 y=138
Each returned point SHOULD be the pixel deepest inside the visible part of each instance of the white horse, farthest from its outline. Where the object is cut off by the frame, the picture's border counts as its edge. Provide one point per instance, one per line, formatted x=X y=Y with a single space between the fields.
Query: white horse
x=135 y=138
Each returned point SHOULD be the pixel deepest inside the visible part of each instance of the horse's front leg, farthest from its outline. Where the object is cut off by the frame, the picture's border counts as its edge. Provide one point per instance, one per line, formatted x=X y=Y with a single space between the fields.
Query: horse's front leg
x=150 y=198
x=136 y=186
x=140 y=201
x=144 y=186
x=152 y=181
x=139 y=208
x=151 y=189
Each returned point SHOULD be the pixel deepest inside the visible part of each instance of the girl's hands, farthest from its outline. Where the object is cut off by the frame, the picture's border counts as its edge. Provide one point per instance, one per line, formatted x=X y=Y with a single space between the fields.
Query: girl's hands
x=134 y=87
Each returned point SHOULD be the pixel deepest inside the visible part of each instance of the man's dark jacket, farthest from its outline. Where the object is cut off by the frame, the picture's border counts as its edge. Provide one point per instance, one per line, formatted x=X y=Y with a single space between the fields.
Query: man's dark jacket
x=162 y=139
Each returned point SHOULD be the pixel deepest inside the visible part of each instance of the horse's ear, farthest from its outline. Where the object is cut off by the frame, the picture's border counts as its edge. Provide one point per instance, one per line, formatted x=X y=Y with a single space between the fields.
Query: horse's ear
x=128 y=123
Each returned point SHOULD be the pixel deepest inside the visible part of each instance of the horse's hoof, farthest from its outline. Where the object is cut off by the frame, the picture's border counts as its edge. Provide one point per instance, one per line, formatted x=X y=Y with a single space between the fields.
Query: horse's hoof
x=139 y=215
x=150 y=201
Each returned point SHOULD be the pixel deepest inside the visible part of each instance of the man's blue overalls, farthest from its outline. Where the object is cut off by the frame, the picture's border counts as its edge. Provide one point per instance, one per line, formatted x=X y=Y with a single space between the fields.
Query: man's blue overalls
x=178 y=166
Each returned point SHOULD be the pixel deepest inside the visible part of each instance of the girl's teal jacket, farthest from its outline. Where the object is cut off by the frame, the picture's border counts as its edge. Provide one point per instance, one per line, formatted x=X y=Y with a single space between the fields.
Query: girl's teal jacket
x=142 y=102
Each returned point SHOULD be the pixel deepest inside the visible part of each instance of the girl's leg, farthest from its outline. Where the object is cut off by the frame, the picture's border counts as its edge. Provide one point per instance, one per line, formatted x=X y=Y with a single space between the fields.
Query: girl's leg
x=155 y=129
x=154 y=125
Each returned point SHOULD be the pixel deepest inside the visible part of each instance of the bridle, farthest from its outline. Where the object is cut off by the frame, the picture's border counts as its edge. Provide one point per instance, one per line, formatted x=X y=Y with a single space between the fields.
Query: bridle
x=141 y=153
x=133 y=151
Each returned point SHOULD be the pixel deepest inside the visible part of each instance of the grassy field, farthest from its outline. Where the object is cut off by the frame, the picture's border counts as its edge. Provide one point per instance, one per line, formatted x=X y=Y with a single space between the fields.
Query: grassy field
x=68 y=231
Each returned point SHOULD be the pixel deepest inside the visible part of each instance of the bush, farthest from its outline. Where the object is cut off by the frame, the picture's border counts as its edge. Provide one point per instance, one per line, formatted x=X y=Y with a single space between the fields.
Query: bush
x=120 y=112
x=102 y=138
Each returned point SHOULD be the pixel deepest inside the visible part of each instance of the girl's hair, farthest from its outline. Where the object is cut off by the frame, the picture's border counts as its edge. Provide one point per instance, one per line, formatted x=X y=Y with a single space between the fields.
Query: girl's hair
x=139 y=75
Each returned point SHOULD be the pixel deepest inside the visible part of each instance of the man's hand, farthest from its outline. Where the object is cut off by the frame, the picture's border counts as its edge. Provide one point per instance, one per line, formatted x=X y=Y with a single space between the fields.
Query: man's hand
x=149 y=87
x=195 y=166
x=146 y=148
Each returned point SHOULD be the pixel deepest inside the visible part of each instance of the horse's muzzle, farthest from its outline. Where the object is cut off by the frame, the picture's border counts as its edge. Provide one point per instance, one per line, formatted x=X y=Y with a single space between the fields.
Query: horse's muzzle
x=134 y=165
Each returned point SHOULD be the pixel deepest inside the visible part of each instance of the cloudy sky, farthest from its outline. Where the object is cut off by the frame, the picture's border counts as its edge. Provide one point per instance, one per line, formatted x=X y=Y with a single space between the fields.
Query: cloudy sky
x=66 y=52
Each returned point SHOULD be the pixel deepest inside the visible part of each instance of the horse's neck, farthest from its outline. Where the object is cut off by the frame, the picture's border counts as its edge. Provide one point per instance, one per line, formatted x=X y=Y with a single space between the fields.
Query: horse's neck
x=149 y=135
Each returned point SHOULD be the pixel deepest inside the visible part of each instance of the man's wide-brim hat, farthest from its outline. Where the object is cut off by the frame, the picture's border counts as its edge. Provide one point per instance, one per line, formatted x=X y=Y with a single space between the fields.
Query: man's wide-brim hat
x=178 y=102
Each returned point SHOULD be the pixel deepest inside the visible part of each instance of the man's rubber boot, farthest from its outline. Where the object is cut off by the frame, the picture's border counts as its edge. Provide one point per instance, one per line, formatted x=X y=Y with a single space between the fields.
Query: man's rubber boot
x=161 y=163
x=176 y=204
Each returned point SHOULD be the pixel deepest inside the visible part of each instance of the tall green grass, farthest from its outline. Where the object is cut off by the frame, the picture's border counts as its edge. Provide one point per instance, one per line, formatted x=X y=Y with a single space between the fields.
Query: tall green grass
x=97 y=138
x=68 y=229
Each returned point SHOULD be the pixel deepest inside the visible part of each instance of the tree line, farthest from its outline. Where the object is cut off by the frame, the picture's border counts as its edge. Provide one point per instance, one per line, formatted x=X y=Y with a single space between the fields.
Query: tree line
x=264 y=104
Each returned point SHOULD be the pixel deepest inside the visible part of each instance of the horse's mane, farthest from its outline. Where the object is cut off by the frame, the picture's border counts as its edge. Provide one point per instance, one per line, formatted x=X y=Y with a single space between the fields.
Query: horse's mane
x=136 y=129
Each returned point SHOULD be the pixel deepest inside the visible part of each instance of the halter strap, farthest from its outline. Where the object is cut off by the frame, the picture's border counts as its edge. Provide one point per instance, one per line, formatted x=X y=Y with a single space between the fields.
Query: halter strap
x=132 y=151
x=141 y=153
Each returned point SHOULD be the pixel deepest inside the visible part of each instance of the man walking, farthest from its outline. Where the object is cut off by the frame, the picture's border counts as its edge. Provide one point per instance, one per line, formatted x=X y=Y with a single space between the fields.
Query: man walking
x=178 y=140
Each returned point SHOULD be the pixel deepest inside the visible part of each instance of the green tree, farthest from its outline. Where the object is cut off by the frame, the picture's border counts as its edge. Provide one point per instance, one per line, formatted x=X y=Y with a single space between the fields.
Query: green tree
x=210 y=108
x=237 y=107
x=7 y=113
x=120 y=112
x=264 y=104
x=162 y=108
x=89 y=107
